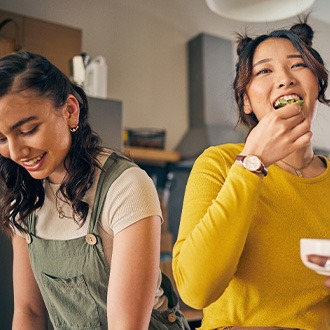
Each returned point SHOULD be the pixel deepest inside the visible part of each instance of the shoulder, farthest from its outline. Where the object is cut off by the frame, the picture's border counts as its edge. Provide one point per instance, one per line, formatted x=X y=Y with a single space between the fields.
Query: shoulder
x=113 y=164
x=103 y=155
x=229 y=150
x=220 y=155
x=121 y=174
x=132 y=197
x=107 y=153
x=135 y=176
x=215 y=163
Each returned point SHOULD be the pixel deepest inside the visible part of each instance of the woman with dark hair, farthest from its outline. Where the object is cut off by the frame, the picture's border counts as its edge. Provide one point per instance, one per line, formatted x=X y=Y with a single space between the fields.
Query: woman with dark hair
x=247 y=206
x=75 y=211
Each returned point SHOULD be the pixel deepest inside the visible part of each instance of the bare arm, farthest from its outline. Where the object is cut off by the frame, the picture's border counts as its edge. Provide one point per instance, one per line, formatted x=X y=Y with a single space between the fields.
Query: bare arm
x=134 y=274
x=29 y=308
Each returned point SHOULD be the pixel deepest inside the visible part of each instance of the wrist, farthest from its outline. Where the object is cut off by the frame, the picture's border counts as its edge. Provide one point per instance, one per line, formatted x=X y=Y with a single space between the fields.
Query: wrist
x=252 y=163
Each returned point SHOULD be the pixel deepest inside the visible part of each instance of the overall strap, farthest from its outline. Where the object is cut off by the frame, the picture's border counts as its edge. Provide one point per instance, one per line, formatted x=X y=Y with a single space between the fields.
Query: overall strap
x=31 y=223
x=114 y=166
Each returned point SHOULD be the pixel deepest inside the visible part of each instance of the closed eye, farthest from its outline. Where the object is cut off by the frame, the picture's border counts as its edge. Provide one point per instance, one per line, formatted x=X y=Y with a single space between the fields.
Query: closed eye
x=30 y=132
x=263 y=71
x=3 y=139
x=297 y=65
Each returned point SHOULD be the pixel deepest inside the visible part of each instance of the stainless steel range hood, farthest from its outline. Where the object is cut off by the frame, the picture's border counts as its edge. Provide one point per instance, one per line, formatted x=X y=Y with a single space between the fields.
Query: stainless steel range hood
x=212 y=110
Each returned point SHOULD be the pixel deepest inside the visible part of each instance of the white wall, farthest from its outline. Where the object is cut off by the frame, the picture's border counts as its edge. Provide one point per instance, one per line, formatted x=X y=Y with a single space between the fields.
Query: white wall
x=144 y=43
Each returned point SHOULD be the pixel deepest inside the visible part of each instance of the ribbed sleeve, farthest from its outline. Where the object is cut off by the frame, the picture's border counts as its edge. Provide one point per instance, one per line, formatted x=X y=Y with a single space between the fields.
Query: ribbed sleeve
x=216 y=217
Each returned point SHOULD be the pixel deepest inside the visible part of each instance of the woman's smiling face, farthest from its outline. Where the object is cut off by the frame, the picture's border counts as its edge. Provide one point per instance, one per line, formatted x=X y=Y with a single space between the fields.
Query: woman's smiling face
x=279 y=71
x=35 y=134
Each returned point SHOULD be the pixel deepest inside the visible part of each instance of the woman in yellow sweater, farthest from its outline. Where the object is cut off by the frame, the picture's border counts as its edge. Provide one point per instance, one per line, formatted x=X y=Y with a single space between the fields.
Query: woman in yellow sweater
x=247 y=206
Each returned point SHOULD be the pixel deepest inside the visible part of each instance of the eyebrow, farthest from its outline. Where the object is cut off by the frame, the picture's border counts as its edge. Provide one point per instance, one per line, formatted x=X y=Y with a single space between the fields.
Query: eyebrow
x=270 y=59
x=22 y=122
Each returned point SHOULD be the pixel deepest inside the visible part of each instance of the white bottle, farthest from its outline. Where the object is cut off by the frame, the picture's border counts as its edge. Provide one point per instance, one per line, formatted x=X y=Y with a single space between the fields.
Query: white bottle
x=78 y=70
x=96 y=76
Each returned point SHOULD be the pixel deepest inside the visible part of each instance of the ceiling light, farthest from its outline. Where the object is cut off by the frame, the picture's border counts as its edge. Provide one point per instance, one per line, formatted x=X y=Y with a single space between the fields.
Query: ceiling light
x=258 y=10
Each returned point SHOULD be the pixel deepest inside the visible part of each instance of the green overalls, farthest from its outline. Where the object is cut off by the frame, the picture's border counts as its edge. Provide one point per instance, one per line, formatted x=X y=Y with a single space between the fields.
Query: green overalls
x=73 y=275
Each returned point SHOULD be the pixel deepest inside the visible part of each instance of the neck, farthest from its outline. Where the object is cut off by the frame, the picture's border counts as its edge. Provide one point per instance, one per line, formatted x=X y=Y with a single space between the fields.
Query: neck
x=300 y=158
x=302 y=163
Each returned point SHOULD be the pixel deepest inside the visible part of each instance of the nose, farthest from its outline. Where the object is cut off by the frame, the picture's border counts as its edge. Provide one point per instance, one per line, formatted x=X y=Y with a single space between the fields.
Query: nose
x=17 y=150
x=285 y=79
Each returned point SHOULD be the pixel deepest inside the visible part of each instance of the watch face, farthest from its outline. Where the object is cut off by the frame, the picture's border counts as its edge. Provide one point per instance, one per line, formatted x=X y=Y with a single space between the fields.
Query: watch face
x=252 y=163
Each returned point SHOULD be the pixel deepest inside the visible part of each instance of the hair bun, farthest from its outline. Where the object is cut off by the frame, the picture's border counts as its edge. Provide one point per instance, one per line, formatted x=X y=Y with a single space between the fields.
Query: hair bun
x=242 y=41
x=304 y=32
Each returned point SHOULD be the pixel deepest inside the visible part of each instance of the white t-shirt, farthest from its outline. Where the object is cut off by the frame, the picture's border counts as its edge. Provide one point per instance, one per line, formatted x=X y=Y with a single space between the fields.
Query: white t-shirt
x=131 y=197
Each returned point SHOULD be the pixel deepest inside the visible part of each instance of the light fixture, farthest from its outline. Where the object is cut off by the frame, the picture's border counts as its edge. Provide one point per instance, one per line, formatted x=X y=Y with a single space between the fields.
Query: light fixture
x=258 y=10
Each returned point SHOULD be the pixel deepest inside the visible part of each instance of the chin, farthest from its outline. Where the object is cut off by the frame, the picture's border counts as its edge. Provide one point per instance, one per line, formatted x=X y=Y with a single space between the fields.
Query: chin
x=38 y=177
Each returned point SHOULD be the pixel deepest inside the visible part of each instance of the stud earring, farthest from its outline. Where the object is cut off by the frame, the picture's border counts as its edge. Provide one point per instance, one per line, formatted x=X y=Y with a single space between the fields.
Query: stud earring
x=74 y=129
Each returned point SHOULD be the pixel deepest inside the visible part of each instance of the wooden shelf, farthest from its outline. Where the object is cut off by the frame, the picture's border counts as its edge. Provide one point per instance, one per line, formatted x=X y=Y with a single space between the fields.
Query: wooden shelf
x=150 y=155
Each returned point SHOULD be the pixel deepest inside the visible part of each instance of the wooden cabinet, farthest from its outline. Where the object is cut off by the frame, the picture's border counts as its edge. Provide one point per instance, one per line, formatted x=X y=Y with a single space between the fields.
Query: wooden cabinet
x=57 y=42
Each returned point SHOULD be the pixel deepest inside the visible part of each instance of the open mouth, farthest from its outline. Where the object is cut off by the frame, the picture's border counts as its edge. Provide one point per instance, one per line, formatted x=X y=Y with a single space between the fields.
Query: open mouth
x=287 y=99
x=34 y=161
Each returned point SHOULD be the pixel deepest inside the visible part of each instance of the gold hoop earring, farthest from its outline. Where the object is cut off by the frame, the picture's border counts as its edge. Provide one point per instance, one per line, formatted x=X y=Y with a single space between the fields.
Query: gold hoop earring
x=74 y=129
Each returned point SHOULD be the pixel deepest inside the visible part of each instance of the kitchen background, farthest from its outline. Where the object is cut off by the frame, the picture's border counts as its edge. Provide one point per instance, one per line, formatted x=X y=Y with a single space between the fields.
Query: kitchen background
x=144 y=44
x=152 y=48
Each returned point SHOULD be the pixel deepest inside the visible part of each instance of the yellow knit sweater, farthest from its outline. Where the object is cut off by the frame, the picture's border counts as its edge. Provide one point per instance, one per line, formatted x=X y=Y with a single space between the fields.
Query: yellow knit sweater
x=237 y=253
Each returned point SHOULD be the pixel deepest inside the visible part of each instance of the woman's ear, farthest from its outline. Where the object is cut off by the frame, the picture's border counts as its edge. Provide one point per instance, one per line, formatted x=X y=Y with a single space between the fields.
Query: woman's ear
x=247 y=105
x=72 y=111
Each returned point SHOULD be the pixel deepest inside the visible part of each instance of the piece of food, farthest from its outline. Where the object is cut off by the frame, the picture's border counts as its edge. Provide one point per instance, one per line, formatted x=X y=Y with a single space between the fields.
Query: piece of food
x=282 y=102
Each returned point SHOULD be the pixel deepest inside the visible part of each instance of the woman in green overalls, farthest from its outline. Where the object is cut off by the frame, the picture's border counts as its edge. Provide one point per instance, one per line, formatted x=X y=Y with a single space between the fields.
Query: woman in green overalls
x=85 y=221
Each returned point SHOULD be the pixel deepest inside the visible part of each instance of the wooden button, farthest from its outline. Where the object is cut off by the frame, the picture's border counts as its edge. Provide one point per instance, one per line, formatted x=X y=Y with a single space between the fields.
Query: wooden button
x=171 y=317
x=28 y=238
x=91 y=239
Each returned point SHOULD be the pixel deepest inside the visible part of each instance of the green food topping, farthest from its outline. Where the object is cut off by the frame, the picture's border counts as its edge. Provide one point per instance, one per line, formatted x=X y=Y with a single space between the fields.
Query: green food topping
x=283 y=102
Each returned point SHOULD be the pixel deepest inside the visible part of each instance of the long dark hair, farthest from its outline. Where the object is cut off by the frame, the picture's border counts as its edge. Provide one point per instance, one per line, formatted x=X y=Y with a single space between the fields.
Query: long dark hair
x=20 y=194
x=301 y=36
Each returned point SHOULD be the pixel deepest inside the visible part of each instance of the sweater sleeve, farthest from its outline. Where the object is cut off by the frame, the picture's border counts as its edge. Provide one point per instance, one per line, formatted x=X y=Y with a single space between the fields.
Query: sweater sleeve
x=219 y=202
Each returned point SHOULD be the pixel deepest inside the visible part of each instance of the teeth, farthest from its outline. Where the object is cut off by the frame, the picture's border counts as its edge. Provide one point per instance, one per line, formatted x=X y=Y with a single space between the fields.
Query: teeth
x=33 y=161
x=283 y=100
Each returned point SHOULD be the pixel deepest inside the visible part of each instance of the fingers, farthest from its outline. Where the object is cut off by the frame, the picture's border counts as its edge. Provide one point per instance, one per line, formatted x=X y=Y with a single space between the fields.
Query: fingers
x=292 y=126
x=279 y=133
x=289 y=117
x=290 y=110
x=301 y=133
x=327 y=282
x=322 y=261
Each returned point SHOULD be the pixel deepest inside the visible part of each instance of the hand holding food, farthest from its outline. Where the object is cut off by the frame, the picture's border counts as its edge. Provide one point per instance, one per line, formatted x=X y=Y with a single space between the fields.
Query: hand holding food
x=279 y=132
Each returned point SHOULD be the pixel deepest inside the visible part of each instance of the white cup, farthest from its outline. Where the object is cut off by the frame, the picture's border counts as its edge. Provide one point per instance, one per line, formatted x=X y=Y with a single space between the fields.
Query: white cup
x=316 y=246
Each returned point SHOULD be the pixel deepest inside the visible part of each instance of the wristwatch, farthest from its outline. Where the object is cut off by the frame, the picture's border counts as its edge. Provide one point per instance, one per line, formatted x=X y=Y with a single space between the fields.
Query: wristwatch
x=252 y=163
